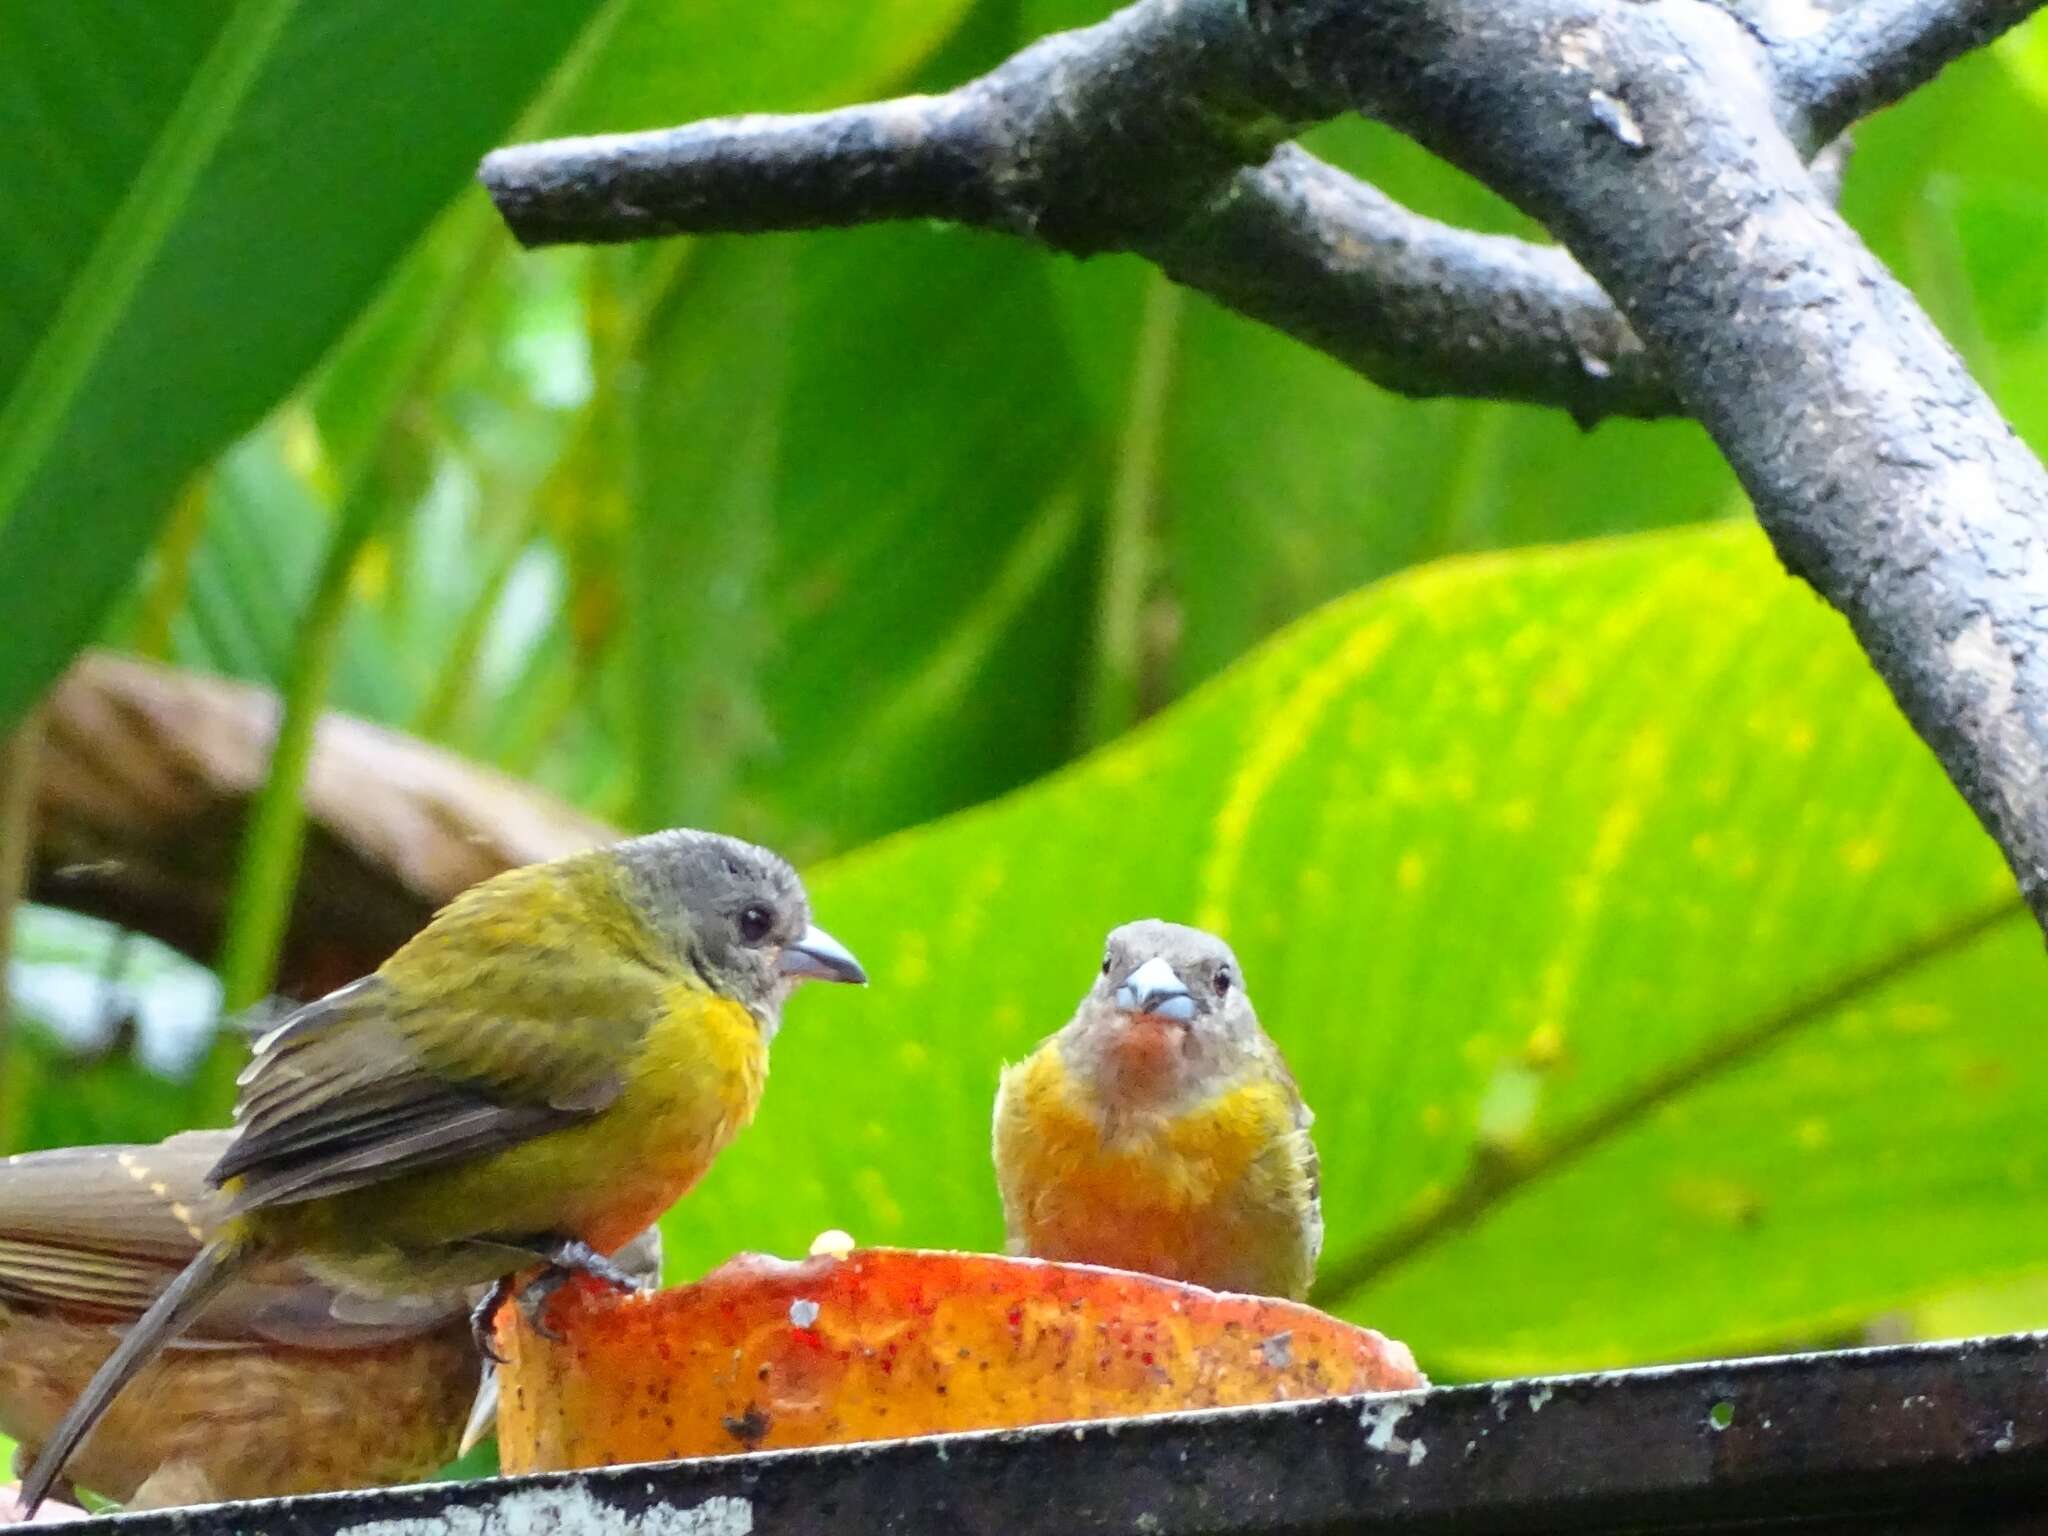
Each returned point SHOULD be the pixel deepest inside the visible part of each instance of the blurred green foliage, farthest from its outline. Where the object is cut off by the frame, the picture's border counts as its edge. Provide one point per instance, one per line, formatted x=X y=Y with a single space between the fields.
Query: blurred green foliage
x=1633 y=952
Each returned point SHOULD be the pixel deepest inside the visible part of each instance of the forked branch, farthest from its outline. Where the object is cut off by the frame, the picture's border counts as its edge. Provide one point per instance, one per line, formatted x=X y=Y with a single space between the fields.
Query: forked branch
x=1664 y=143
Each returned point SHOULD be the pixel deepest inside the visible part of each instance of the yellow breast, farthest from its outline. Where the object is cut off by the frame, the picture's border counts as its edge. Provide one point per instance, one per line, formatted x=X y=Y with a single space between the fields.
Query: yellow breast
x=698 y=1083
x=1217 y=1194
x=695 y=1083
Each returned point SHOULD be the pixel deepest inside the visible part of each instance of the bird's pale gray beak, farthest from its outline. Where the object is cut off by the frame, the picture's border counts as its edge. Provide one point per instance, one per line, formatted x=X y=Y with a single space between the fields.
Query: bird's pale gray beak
x=1154 y=988
x=817 y=956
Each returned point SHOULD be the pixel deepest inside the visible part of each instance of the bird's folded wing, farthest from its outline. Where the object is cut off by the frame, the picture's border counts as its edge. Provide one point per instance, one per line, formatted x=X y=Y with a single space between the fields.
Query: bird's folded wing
x=360 y=1086
x=1311 y=1160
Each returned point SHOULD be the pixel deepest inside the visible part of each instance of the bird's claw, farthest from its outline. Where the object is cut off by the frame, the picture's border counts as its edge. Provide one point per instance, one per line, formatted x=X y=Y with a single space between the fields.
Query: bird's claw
x=483 y=1320
x=582 y=1259
x=567 y=1261
x=534 y=1297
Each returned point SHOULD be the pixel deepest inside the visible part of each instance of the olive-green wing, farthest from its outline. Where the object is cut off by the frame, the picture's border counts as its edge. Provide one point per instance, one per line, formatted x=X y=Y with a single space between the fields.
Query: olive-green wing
x=1311 y=1161
x=1314 y=1169
x=100 y=1231
x=1009 y=1129
x=376 y=1080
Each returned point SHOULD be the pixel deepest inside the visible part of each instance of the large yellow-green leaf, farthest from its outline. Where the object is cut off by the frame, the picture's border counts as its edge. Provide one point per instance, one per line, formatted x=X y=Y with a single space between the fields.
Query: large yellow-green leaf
x=1655 y=992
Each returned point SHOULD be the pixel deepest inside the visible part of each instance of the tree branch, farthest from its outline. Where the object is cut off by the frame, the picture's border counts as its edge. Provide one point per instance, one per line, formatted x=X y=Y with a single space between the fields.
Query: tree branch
x=1882 y=473
x=905 y=159
x=1149 y=133
x=1154 y=132
x=1880 y=51
x=1412 y=304
x=1644 y=134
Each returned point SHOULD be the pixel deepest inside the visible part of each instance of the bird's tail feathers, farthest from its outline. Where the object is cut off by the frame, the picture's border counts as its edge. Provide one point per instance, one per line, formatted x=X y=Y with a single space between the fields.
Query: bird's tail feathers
x=170 y=1315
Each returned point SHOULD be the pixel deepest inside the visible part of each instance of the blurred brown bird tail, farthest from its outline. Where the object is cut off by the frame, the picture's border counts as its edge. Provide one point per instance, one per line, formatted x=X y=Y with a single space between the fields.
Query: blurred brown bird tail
x=170 y=1315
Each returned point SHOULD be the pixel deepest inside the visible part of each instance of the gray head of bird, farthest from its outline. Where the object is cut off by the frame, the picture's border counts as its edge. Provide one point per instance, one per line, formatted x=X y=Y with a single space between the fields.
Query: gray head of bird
x=1167 y=1020
x=735 y=913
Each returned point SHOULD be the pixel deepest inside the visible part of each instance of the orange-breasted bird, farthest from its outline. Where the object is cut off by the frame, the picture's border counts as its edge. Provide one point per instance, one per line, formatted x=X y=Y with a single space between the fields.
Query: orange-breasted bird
x=529 y=1082
x=1161 y=1131
x=284 y=1385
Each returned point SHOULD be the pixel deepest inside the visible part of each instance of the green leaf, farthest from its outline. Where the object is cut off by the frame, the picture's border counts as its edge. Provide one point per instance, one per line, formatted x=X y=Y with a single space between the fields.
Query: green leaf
x=1934 y=188
x=2010 y=1306
x=1655 y=992
x=661 y=63
x=875 y=524
x=2024 y=51
x=253 y=565
x=1282 y=480
x=197 y=206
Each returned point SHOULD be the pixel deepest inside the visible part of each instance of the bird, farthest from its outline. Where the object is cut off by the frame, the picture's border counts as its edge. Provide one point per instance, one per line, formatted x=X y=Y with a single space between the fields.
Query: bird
x=1160 y=1131
x=285 y=1386
x=278 y=1390
x=525 y=1085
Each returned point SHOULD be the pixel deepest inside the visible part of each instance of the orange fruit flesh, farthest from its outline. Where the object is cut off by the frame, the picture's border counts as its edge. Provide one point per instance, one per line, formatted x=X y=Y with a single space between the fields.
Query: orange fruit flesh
x=767 y=1354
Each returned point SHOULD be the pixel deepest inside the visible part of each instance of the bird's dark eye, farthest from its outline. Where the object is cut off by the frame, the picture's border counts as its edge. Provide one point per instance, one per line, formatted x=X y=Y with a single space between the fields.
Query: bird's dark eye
x=1222 y=982
x=755 y=922
x=1105 y=965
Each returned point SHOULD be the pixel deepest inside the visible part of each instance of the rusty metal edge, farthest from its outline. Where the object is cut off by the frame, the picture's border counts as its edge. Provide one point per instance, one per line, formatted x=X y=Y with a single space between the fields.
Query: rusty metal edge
x=1924 y=1434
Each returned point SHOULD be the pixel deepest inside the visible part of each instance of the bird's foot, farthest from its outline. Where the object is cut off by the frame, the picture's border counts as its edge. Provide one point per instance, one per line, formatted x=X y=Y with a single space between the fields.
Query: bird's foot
x=582 y=1259
x=534 y=1297
x=483 y=1320
x=564 y=1263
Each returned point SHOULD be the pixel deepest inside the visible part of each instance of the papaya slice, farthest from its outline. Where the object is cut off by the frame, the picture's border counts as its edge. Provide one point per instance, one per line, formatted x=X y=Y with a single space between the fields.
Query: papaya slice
x=883 y=1343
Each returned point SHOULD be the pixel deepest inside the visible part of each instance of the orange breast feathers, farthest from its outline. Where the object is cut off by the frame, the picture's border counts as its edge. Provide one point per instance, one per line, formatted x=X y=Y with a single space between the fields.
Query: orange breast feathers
x=1219 y=1193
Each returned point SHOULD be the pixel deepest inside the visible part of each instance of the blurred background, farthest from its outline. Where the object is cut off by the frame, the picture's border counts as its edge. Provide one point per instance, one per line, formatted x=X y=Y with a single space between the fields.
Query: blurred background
x=1656 y=995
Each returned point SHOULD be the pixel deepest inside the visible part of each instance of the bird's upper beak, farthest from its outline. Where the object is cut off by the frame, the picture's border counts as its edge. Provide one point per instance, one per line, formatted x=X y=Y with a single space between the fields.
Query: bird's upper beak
x=1155 y=988
x=817 y=956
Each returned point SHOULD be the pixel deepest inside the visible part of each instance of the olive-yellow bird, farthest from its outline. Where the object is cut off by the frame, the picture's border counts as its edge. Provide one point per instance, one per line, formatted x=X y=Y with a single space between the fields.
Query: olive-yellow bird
x=284 y=1386
x=534 y=1078
x=1161 y=1131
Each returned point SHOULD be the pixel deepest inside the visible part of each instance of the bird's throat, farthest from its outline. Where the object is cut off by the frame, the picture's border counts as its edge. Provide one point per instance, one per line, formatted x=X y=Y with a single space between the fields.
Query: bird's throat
x=1146 y=1059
